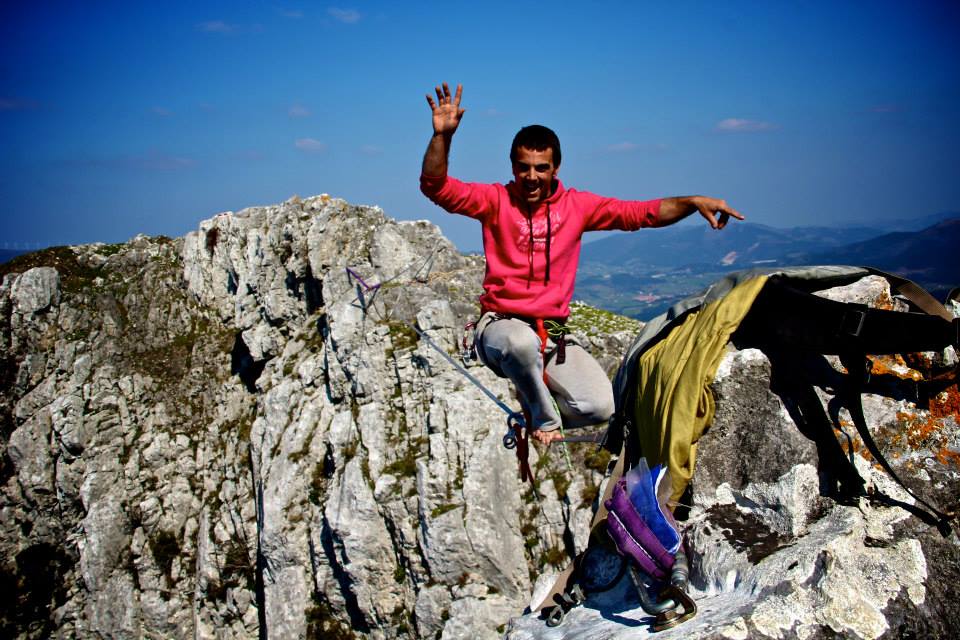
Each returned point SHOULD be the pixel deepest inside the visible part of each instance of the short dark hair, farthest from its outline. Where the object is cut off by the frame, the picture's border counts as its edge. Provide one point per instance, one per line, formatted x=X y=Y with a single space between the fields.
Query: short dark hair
x=538 y=138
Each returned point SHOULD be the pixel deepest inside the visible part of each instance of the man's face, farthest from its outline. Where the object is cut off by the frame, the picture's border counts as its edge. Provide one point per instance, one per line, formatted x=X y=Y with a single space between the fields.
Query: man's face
x=534 y=173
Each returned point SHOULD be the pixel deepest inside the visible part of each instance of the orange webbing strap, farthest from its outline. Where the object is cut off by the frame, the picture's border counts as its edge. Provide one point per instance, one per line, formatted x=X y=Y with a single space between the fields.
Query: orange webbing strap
x=523 y=434
x=544 y=336
x=599 y=520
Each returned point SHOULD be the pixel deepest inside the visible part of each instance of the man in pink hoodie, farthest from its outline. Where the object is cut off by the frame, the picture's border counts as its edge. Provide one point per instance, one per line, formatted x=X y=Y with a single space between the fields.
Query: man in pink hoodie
x=532 y=229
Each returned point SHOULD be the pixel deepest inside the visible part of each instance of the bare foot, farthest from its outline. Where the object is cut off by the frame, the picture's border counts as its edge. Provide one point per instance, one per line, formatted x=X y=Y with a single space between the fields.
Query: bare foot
x=546 y=437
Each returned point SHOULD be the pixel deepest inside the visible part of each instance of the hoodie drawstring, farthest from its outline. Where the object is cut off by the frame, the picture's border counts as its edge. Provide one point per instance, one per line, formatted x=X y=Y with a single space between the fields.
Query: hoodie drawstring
x=547 y=278
x=531 y=247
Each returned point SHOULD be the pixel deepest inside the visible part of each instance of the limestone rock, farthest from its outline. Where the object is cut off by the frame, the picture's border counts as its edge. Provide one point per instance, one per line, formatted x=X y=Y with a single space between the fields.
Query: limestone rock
x=771 y=556
x=240 y=433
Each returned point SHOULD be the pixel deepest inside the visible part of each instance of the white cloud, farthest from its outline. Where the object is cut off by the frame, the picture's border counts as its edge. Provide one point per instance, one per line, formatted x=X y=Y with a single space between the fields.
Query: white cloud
x=298 y=111
x=291 y=13
x=162 y=112
x=371 y=150
x=217 y=26
x=152 y=160
x=630 y=147
x=742 y=125
x=250 y=155
x=346 y=16
x=622 y=147
x=310 y=145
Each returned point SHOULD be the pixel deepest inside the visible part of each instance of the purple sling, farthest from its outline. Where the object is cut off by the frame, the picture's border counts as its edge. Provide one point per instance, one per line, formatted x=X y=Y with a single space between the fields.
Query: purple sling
x=633 y=537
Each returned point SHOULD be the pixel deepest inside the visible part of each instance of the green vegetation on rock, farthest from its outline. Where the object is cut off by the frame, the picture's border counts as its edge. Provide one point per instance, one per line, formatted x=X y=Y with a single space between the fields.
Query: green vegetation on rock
x=596 y=322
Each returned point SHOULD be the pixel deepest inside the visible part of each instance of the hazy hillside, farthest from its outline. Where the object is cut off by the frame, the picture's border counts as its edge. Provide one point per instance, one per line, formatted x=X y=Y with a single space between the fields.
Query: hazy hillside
x=641 y=274
x=929 y=256
x=738 y=245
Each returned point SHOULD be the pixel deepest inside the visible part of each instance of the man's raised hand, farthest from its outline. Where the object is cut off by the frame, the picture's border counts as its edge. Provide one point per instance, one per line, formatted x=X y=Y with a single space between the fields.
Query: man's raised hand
x=446 y=109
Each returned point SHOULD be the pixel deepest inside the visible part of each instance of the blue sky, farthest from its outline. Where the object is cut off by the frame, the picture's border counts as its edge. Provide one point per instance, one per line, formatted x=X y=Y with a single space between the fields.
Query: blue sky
x=118 y=118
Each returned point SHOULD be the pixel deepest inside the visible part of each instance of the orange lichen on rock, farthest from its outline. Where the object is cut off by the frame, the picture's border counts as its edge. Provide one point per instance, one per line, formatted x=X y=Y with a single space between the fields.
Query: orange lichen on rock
x=884 y=301
x=849 y=439
x=922 y=430
x=946 y=403
x=893 y=365
x=948 y=456
x=921 y=360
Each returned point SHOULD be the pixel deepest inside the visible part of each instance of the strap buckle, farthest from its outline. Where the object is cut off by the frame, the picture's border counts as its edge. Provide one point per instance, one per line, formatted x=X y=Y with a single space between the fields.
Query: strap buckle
x=852 y=323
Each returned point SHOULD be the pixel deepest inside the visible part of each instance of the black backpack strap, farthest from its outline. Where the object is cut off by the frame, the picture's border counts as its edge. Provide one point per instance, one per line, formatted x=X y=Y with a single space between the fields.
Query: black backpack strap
x=791 y=379
x=787 y=322
x=785 y=315
x=858 y=369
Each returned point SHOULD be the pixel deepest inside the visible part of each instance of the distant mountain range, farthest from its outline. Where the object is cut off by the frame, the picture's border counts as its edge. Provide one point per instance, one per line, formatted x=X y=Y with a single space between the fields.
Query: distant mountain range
x=640 y=274
x=7 y=255
x=739 y=244
x=930 y=257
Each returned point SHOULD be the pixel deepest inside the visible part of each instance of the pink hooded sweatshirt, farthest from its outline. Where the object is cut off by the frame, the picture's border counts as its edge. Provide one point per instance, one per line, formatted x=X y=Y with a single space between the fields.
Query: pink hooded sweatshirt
x=532 y=256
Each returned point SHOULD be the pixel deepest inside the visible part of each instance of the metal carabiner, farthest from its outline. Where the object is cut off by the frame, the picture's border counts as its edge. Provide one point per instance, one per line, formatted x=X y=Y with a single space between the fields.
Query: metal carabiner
x=555 y=616
x=565 y=601
x=650 y=606
x=514 y=424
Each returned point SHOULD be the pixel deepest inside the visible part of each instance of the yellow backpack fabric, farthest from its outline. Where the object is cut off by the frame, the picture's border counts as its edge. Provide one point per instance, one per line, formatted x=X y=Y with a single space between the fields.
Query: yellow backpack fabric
x=674 y=403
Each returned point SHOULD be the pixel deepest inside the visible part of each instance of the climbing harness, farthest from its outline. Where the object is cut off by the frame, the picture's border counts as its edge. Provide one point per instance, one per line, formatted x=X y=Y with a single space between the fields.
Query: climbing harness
x=467 y=351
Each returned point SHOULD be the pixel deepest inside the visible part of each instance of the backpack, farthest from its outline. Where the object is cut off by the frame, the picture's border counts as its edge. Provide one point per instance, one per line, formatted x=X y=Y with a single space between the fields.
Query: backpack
x=774 y=310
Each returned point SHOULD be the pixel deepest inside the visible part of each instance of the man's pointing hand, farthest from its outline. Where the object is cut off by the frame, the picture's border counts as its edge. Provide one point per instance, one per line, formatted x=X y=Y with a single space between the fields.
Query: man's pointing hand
x=715 y=211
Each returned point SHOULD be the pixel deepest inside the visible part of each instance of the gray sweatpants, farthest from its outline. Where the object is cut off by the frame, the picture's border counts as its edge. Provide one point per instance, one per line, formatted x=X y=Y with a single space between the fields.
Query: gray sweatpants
x=583 y=393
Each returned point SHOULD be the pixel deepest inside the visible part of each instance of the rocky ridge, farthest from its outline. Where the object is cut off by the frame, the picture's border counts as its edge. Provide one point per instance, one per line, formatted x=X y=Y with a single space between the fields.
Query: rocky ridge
x=230 y=435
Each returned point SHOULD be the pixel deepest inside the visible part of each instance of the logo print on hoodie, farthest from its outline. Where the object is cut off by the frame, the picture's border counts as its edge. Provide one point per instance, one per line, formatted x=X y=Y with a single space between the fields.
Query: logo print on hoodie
x=539 y=231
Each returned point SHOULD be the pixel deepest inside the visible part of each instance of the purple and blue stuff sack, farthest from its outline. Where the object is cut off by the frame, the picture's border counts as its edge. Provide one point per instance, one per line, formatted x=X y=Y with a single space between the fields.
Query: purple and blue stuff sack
x=638 y=522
